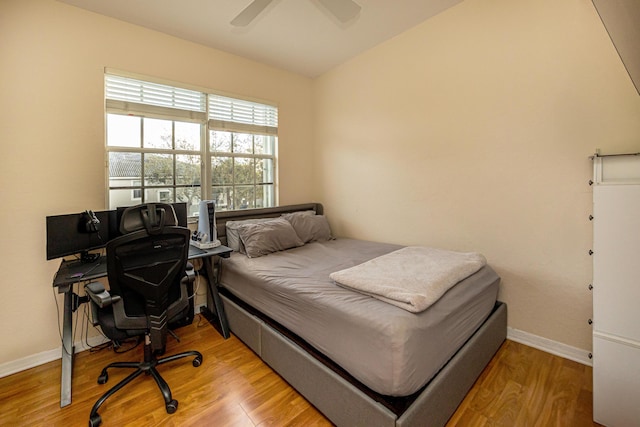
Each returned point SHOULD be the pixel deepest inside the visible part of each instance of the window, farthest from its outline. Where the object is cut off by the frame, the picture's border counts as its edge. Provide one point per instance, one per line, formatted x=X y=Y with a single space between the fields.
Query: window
x=169 y=144
x=242 y=143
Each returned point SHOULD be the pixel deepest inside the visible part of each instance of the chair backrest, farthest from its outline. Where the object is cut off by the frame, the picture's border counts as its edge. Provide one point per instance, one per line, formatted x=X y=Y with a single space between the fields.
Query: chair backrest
x=145 y=267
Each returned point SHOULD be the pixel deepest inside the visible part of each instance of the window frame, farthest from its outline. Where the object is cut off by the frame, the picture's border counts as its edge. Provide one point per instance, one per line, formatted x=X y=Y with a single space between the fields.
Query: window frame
x=209 y=122
x=254 y=157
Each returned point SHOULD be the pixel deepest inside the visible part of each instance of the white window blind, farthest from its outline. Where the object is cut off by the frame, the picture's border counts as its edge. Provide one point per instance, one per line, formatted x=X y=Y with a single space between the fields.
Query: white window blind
x=237 y=115
x=139 y=97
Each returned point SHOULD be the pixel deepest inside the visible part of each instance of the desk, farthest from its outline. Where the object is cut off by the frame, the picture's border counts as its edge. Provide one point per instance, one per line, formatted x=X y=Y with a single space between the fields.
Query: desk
x=72 y=272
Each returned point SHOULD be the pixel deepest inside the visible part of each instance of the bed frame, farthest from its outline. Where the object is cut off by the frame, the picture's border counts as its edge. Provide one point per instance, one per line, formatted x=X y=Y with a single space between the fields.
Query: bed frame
x=342 y=399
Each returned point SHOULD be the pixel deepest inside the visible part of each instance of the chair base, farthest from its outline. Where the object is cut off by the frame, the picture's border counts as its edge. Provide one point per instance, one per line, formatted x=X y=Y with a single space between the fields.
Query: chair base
x=148 y=367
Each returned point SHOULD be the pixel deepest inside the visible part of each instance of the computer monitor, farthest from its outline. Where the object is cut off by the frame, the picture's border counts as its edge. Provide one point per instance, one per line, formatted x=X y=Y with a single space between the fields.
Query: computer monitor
x=77 y=234
x=181 y=213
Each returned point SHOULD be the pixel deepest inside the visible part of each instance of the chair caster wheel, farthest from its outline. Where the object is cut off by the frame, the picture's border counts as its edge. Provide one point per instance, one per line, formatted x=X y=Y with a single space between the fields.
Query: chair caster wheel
x=103 y=378
x=95 y=421
x=197 y=361
x=172 y=406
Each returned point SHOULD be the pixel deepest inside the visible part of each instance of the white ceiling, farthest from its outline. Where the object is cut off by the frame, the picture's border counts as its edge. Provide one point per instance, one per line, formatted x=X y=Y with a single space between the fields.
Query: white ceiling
x=296 y=35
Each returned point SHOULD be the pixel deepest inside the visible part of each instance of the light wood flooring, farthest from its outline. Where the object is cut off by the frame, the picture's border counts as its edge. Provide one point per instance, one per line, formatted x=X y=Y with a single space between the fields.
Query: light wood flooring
x=521 y=386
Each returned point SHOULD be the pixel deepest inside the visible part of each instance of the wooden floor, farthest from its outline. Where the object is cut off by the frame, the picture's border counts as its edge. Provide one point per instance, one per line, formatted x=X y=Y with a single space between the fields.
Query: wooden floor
x=521 y=386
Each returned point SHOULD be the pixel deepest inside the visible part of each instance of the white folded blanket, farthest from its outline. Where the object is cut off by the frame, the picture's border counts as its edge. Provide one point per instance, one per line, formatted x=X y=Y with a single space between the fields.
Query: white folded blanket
x=411 y=278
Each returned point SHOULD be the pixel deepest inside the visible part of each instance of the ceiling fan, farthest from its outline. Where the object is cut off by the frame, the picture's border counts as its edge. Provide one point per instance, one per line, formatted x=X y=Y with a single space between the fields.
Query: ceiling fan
x=343 y=10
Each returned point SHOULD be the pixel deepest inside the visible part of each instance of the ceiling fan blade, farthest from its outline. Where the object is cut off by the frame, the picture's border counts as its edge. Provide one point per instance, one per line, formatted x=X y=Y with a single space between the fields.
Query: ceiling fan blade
x=245 y=17
x=344 y=10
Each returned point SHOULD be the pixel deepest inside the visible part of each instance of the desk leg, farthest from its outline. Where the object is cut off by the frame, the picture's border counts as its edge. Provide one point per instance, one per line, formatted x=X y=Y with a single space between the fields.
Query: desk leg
x=67 y=349
x=212 y=280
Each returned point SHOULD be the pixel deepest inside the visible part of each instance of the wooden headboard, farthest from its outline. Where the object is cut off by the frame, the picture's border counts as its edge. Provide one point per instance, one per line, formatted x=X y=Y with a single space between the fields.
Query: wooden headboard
x=224 y=216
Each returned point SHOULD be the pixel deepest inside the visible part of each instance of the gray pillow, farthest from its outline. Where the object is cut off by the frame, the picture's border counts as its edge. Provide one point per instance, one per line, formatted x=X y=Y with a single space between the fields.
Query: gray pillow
x=269 y=236
x=310 y=228
x=233 y=238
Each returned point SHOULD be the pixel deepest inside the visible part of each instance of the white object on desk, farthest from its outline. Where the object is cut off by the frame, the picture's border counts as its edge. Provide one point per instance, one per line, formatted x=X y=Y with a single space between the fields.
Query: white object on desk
x=205 y=245
x=207 y=236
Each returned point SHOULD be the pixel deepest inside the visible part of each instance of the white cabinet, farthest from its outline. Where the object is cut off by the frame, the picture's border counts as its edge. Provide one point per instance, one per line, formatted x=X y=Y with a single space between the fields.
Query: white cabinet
x=616 y=301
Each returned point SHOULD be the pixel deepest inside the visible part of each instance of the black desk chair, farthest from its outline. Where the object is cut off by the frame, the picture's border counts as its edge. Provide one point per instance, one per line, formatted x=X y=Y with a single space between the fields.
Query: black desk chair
x=146 y=268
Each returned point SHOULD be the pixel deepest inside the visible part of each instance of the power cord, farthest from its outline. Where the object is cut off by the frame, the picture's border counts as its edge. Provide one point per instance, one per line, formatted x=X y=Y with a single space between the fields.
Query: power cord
x=67 y=351
x=89 y=320
x=84 y=332
x=201 y=321
x=60 y=334
x=197 y=265
x=117 y=345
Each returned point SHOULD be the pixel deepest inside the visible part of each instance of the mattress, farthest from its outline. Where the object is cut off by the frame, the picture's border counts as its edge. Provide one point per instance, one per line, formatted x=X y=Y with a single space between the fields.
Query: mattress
x=390 y=350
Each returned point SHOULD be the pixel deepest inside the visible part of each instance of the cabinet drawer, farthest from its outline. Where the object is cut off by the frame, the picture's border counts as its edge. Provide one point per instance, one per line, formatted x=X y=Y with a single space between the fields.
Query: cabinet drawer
x=616 y=381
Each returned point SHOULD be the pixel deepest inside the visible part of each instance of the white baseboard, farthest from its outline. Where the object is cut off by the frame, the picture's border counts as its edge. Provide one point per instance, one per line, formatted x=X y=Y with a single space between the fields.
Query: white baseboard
x=554 y=347
x=38 y=359
x=563 y=350
x=14 y=366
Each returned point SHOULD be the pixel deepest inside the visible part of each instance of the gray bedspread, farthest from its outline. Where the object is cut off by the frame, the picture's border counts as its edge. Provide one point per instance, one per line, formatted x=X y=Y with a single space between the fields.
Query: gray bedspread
x=388 y=349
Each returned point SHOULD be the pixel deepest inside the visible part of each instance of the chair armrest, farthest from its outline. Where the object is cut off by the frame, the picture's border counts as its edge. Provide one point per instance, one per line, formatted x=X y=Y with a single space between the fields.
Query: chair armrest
x=99 y=295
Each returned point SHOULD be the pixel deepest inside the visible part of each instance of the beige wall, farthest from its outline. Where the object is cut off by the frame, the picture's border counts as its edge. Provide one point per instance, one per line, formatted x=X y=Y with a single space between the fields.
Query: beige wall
x=472 y=131
x=52 y=59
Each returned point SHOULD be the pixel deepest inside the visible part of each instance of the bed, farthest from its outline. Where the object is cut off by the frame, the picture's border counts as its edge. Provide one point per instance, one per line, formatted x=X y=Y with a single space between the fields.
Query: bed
x=359 y=360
